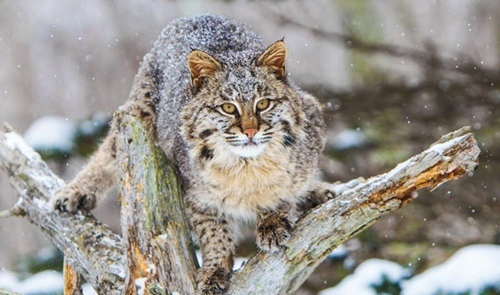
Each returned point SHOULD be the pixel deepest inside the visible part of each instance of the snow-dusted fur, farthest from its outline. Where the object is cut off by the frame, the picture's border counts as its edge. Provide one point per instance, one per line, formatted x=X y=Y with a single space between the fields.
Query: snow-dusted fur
x=244 y=138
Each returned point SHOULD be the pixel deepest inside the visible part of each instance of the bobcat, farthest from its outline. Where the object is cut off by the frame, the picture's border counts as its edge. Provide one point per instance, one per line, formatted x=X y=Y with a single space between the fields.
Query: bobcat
x=244 y=138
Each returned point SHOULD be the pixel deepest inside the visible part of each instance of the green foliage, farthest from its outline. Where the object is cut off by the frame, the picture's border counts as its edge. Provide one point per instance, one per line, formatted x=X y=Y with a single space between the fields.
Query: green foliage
x=89 y=134
x=86 y=139
x=49 y=258
x=359 y=19
x=387 y=286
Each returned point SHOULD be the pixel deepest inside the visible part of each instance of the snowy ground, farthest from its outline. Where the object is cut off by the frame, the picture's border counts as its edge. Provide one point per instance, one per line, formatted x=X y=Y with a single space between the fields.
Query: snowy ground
x=51 y=132
x=470 y=270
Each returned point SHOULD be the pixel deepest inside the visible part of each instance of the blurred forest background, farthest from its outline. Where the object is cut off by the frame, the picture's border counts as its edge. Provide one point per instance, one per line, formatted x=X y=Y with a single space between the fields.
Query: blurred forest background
x=393 y=75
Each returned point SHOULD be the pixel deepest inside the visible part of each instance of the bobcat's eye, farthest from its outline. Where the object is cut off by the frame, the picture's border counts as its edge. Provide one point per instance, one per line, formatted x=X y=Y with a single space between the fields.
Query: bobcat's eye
x=229 y=108
x=263 y=104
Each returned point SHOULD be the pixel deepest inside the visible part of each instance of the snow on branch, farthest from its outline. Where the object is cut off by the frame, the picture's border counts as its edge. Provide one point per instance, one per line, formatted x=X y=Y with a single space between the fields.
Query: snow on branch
x=100 y=255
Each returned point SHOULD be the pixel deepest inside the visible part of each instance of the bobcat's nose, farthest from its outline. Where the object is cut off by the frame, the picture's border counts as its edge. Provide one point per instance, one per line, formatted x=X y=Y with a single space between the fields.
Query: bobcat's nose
x=250 y=133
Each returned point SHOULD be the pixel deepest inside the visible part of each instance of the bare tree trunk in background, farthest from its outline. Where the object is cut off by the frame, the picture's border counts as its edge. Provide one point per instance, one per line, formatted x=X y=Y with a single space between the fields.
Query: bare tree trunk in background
x=156 y=252
x=99 y=252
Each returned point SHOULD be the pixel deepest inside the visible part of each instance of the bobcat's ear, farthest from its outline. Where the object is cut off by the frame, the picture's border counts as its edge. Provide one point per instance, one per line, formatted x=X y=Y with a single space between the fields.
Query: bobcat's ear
x=201 y=65
x=274 y=58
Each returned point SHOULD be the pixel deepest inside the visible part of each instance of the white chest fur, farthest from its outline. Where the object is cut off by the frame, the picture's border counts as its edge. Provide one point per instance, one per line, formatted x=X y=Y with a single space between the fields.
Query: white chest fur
x=239 y=187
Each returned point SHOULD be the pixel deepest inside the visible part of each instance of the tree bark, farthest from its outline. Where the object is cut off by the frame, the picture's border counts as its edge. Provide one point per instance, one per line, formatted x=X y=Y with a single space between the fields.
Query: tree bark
x=72 y=279
x=101 y=256
x=155 y=228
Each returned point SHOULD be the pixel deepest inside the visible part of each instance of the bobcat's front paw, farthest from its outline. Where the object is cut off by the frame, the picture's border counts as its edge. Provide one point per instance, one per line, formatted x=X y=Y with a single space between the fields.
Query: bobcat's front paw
x=273 y=232
x=72 y=198
x=213 y=280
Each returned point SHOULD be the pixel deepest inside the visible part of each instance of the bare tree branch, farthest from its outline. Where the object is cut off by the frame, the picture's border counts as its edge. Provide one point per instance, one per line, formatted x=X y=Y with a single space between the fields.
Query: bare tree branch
x=99 y=252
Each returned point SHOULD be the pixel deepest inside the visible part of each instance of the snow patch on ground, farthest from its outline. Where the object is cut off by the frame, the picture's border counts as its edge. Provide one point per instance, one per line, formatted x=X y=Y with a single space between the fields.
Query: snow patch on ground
x=348 y=139
x=8 y=280
x=51 y=132
x=339 y=253
x=45 y=282
x=470 y=270
x=368 y=274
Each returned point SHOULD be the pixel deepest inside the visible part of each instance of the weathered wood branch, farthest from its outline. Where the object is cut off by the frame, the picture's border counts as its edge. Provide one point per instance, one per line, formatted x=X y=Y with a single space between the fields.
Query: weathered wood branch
x=72 y=279
x=99 y=252
x=356 y=206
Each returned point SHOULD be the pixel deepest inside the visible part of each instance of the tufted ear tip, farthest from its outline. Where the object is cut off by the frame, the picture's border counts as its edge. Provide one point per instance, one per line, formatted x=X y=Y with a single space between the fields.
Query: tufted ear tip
x=274 y=58
x=201 y=65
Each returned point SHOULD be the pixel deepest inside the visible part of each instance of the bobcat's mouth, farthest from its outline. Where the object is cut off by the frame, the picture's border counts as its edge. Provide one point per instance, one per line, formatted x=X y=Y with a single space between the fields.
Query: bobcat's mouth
x=250 y=143
x=249 y=149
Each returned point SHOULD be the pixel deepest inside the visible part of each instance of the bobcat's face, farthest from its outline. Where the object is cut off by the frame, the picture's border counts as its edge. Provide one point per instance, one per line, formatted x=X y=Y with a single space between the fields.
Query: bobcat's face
x=240 y=110
x=242 y=122
x=248 y=132
x=248 y=123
